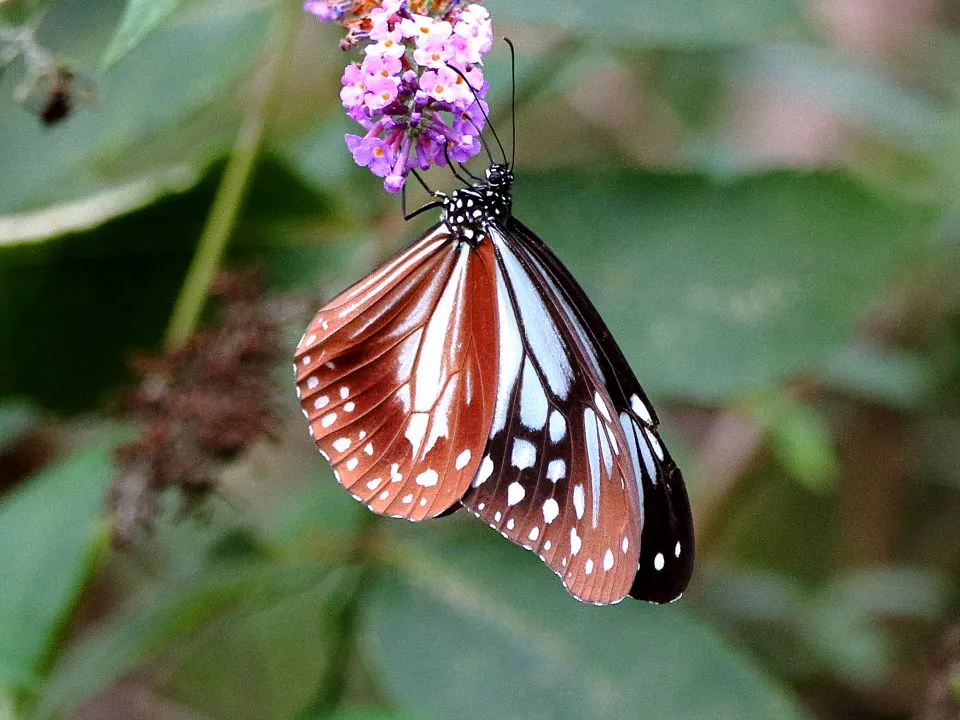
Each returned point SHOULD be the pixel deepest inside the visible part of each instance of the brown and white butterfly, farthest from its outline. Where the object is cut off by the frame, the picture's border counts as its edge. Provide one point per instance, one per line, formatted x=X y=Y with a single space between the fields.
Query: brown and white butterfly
x=473 y=370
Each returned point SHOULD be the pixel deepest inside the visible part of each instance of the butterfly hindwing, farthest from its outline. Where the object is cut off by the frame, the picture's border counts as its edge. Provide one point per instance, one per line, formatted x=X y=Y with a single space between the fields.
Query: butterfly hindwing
x=392 y=376
x=553 y=477
x=667 y=541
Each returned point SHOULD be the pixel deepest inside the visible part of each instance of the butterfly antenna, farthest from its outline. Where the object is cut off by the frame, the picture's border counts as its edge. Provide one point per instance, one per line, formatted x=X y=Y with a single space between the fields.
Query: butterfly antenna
x=513 y=102
x=486 y=117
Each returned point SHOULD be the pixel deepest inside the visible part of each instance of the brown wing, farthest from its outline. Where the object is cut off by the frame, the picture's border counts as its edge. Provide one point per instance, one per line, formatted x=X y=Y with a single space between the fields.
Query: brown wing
x=393 y=375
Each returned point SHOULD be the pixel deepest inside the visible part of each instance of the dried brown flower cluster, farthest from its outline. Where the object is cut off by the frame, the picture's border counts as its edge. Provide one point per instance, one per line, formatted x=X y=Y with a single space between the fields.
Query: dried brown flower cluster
x=199 y=406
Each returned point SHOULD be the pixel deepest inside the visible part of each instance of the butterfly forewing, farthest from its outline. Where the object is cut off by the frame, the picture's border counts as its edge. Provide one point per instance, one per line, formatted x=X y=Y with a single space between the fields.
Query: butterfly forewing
x=667 y=541
x=554 y=477
x=393 y=375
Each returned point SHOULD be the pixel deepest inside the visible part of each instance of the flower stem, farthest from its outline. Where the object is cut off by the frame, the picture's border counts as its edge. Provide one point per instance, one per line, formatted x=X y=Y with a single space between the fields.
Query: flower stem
x=236 y=178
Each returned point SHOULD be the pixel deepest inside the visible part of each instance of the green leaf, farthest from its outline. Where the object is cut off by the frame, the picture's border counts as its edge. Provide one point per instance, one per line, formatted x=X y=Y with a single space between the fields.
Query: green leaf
x=800 y=436
x=282 y=645
x=897 y=378
x=484 y=630
x=714 y=290
x=684 y=22
x=51 y=530
x=158 y=117
x=843 y=622
x=179 y=616
x=139 y=19
x=366 y=714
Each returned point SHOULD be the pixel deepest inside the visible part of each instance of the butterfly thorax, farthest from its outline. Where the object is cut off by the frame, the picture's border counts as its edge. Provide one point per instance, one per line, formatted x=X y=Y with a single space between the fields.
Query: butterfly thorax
x=469 y=211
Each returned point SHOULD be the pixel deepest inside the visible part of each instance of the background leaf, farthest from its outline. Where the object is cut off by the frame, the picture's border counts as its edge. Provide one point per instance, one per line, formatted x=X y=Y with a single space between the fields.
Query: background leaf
x=488 y=610
x=713 y=289
x=648 y=21
x=139 y=19
x=50 y=533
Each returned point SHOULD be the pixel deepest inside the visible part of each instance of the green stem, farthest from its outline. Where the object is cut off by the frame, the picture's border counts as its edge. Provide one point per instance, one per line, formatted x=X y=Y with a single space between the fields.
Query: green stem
x=233 y=186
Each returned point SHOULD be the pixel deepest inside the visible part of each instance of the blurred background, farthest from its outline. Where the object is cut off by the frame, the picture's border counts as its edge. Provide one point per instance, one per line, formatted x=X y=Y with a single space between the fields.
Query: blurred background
x=761 y=197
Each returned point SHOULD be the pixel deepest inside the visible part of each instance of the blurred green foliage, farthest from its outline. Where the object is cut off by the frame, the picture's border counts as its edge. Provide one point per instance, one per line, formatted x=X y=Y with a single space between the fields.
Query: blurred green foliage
x=795 y=316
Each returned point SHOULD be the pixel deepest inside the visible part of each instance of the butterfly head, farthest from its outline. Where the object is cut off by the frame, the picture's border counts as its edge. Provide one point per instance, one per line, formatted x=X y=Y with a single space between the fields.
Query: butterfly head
x=499 y=176
x=469 y=211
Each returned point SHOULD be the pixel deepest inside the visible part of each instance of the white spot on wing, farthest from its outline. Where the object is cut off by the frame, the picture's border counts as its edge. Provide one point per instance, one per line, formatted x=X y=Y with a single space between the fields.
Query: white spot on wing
x=556 y=470
x=462 y=459
x=588 y=567
x=328 y=420
x=524 y=454
x=608 y=560
x=636 y=404
x=484 y=472
x=592 y=430
x=416 y=430
x=312 y=382
x=558 y=426
x=533 y=400
x=601 y=406
x=578 y=501
x=575 y=542
x=341 y=444
x=550 y=510
x=658 y=562
x=428 y=478
x=515 y=493
x=654 y=443
x=676 y=550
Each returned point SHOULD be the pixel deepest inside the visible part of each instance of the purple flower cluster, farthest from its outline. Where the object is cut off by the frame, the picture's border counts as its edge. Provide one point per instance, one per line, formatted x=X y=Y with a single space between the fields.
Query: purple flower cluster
x=416 y=108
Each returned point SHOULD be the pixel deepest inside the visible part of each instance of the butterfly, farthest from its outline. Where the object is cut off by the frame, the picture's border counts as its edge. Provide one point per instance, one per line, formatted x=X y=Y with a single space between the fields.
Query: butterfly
x=472 y=370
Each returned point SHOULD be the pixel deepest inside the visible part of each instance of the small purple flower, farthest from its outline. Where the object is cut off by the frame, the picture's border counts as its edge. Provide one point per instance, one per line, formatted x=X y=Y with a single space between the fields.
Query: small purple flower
x=372 y=153
x=354 y=85
x=381 y=91
x=424 y=29
x=385 y=65
x=416 y=108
